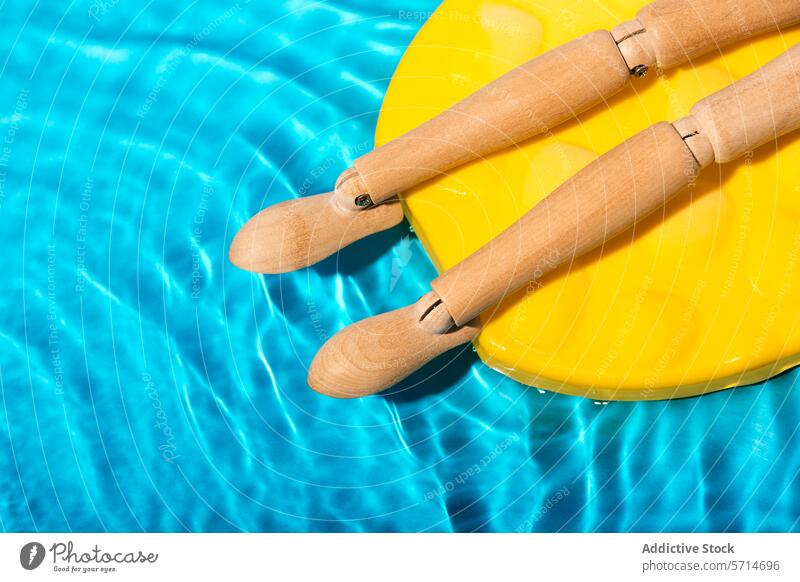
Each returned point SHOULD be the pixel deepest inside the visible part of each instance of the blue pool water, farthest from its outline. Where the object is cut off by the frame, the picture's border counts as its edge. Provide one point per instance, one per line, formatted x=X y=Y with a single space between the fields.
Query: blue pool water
x=148 y=385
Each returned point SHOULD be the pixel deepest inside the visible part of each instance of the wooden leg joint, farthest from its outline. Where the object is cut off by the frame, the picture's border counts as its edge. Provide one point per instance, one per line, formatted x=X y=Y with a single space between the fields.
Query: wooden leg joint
x=696 y=139
x=634 y=43
x=432 y=314
x=351 y=192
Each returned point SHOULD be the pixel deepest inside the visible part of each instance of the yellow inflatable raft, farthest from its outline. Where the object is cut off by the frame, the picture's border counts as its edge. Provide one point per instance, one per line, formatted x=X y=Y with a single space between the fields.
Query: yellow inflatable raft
x=701 y=297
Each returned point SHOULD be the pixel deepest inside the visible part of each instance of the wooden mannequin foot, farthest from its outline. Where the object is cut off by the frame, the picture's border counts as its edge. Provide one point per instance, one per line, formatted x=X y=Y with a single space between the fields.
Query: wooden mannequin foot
x=300 y=232
x=376 y=353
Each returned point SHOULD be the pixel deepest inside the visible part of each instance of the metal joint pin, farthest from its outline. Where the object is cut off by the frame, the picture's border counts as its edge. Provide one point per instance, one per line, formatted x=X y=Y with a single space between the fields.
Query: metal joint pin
x=363 y=200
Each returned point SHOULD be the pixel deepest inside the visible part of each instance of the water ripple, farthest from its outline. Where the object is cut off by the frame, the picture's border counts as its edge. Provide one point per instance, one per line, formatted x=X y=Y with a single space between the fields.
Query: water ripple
x=148 y=385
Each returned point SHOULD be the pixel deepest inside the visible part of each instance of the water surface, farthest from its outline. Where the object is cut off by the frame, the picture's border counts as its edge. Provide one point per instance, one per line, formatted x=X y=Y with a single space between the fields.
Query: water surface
x=148 y=385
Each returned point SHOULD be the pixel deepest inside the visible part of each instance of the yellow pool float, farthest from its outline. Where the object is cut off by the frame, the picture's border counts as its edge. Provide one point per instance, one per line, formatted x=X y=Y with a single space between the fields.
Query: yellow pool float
x=704 y=296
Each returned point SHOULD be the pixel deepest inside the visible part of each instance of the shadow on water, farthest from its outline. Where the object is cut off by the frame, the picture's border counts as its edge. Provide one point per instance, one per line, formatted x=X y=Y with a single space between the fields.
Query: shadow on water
x=439 y=375
x=362 y=254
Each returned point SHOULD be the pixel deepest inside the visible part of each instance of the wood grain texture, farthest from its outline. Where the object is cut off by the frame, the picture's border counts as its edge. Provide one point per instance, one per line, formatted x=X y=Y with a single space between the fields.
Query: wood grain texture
x=376 y=353
x=636 y=47
x=529 y=100
x=680 y=30
x=696 y=139
x=558 y=85
x=753 y=111
x=606 y=197
x=300 y=232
